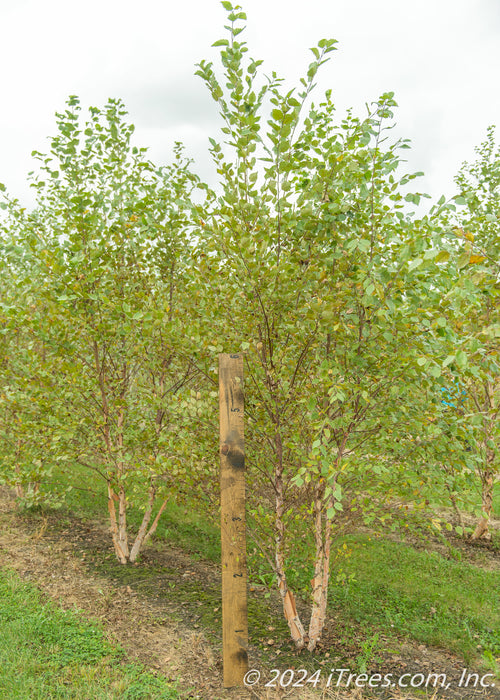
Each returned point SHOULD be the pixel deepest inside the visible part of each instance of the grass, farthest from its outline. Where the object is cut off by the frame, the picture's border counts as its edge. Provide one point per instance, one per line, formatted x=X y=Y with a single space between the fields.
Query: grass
x=47 y=653
x=399 y=591
x=419 y=594
x=180 y=524
x=391 y=589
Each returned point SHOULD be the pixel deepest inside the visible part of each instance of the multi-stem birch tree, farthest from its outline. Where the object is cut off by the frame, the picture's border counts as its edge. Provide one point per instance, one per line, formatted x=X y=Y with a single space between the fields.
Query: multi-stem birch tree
x=472 y=309
x=313 y=269
x=106 y=244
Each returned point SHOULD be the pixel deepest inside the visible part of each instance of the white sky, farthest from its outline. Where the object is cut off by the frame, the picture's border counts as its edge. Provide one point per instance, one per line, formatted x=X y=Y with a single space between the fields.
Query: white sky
x=440 y=57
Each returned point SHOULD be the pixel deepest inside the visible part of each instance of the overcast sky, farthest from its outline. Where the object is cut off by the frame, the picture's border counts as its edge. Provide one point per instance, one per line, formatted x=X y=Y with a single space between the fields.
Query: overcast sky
x=440 y=57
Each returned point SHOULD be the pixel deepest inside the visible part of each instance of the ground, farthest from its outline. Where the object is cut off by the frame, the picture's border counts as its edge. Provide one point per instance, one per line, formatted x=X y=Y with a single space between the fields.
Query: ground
x=165 y=610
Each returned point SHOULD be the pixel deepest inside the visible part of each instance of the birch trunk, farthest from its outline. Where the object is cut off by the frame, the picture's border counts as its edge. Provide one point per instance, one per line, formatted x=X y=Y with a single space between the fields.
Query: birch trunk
x=144 y=534
x=322 y=535
x=289 y=608
x=18 y=485
x=121 y=469
x=122 y=521
x=482 y=528
x=112 y=498
x=488 y=471
x=453 y=501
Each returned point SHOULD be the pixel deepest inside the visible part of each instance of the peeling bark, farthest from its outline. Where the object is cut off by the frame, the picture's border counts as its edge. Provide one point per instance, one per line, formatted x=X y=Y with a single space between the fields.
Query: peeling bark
x=482 y=528
x=289 y=608
x=122 y=522
x=322 y=535
x=144 y=534
x=112 y=498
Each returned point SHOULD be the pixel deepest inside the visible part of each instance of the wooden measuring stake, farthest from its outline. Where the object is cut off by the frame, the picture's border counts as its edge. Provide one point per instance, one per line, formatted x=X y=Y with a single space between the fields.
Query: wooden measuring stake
x=233 y=534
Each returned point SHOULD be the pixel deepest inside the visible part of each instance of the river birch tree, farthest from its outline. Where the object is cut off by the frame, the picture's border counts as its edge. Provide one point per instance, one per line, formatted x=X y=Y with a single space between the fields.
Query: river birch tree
x=314 y=270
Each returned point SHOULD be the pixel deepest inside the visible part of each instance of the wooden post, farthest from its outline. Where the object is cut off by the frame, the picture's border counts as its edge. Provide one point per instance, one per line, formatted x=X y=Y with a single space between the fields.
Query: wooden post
x=233 y=534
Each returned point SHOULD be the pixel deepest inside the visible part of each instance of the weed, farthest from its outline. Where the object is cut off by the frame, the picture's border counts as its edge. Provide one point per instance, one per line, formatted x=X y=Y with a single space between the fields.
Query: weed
x=366 y=657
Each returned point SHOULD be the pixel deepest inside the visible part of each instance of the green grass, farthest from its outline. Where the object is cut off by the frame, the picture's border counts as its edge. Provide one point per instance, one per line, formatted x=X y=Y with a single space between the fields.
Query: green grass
x=389 y=588
x=47 y=653
x=183 y=525
x=190 y=529
x=399 y=590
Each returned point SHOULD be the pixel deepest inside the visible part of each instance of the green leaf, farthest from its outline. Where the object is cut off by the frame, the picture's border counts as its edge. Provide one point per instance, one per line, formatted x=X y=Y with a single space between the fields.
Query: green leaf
x=412 y=197
x=415 y=263
x=327 y=43
x=461 y=359
x=328 y=314
x=442 y=256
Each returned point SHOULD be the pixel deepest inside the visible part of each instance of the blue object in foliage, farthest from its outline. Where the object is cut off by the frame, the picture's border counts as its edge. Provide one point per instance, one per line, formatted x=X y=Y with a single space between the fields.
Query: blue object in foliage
x=454 y=397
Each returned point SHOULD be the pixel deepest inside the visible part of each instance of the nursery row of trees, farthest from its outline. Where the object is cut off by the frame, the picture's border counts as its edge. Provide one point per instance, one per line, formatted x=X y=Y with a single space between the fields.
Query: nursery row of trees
x=371 y=335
